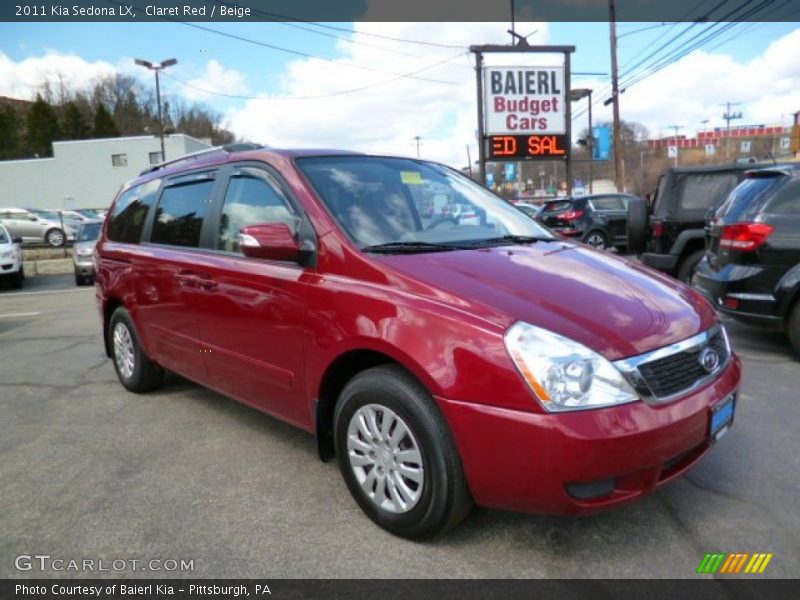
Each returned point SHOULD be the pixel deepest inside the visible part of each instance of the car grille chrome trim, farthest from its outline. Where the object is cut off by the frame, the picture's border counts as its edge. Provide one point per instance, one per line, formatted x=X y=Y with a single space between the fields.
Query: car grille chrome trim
x=666 y=374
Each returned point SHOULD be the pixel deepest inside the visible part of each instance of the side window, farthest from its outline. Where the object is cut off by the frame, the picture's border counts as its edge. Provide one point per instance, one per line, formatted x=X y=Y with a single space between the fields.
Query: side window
x=180 y=213
x=787 y=200
x=253 y=197
x=126 y=221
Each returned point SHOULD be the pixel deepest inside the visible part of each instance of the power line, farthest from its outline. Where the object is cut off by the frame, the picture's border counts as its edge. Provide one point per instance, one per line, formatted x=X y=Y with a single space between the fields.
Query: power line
x=282 y=17
x=317 y=96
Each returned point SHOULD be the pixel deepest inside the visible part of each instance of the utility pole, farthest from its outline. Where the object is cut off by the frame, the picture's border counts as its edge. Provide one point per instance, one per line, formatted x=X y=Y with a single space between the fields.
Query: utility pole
x=619 y=166
x=676 y=128
x=729 y=116
x=157 y=68
x=417 y=138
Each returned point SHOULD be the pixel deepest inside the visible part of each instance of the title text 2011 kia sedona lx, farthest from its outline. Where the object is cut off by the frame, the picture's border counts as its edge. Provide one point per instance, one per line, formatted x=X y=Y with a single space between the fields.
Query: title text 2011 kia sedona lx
x=443 y=346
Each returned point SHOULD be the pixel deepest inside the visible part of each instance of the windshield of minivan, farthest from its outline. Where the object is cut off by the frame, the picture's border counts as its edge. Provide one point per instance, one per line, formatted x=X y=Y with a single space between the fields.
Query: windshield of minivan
x=396 y=201
x=89 y=232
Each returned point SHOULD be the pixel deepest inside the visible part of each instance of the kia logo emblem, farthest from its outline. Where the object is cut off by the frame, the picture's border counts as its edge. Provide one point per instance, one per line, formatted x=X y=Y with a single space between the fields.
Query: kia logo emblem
x=709 y=360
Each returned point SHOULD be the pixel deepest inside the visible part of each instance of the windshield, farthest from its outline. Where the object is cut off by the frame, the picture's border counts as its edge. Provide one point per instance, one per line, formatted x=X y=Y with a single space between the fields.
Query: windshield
x=89 y=232
x=384 y=201
x=3 y=236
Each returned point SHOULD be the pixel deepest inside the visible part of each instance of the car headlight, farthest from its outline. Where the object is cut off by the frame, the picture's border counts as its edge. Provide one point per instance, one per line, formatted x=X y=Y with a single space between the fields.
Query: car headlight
x=8 y=254
x=84 y=252
x=563 y=374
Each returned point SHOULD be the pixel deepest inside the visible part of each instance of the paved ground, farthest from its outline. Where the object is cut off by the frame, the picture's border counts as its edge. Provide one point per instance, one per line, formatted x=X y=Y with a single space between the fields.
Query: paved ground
x=88 y=470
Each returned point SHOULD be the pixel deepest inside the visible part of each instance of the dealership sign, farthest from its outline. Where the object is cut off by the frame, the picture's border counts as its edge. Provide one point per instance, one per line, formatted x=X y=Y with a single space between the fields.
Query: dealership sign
x=524 y=113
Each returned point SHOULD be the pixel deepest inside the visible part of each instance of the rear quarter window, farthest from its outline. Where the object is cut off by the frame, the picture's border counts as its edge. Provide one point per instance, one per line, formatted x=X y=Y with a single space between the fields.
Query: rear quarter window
x=786 y=200
x=126 y=221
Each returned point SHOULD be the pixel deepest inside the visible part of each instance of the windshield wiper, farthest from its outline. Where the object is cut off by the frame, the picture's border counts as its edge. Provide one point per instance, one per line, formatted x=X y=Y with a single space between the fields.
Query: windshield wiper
x=512 y=239
x=411 y=247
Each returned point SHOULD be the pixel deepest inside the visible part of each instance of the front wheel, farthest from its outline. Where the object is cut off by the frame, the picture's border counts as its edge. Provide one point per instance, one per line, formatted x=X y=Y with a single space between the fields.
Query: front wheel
x=397 y=456
x=134 y=368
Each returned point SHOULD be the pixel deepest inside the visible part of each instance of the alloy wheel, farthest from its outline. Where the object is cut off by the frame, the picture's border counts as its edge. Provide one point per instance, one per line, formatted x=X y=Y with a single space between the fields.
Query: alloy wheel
x=123 y=350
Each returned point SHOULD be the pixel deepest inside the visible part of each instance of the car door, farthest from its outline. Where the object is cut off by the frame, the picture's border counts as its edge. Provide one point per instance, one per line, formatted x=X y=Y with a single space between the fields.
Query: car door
x=27 y=226
x=252 y=313
x=169 y=288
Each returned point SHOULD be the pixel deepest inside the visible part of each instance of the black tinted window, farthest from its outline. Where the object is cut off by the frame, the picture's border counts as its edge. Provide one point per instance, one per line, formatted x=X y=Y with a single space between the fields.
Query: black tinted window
x=747 y=198
x=126 y=221
x=180 y=214
x=608 y=203
x=786 y=200
x=253 y=197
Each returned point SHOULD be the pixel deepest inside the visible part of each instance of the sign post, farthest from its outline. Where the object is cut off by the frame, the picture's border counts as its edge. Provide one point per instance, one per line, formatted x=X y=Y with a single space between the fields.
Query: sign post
x=524 y=112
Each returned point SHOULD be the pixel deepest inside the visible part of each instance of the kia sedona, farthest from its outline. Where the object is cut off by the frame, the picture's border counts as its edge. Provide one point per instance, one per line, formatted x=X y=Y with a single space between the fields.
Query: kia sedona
x=751 y=270
x=443 y=358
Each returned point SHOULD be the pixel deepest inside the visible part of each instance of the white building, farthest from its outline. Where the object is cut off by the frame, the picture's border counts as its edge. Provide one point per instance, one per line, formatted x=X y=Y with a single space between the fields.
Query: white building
x=86 y=173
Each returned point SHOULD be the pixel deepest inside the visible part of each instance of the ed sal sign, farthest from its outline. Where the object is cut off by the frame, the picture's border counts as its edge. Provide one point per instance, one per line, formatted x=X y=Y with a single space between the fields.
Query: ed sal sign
x=523 y=100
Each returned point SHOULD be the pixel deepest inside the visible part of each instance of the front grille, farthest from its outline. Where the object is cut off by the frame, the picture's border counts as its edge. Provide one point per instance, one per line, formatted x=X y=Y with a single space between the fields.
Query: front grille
x=667 y=372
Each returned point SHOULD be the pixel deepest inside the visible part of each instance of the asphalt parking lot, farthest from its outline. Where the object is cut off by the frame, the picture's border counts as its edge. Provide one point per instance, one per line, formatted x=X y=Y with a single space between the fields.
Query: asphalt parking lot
x=89 y=470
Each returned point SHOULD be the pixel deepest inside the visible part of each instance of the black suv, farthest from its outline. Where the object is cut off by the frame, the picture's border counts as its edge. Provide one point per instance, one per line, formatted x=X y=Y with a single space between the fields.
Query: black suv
x=600 y=220
x=672 y=238
x=751 y=270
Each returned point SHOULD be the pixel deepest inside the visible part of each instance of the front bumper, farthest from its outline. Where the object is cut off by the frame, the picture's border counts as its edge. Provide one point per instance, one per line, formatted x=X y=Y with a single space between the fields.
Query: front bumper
x=526 y=461
x=10 y=267
x=83 y=265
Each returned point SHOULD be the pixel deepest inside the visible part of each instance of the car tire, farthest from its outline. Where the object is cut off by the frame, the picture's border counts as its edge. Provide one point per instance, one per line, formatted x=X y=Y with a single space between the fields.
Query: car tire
x=134 y=368
x=55 y=238
x=793 y=328
x=689 y=266
x=407 y=477
x=596 y=239
x=18 y=278
x=78 y=279
x=638 y=224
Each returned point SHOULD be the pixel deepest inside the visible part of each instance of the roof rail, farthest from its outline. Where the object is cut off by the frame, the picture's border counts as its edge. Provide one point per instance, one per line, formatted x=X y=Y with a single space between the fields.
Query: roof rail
x=228 y=148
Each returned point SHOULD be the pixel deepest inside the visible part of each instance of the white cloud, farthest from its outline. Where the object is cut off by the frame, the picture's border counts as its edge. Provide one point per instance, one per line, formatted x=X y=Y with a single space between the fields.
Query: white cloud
x=694 y=88
x=23 y=79
x=216 y=79
x=384 y=118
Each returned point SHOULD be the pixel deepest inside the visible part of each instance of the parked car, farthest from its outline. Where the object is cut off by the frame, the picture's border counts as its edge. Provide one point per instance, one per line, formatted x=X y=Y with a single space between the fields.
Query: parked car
x=33 y=227
x=529 y=209
x=599 y=220
x=751 y=270
x=63 y=219
x=82 y=252
x=669 y=234
x=11 y=258
x=442 y=365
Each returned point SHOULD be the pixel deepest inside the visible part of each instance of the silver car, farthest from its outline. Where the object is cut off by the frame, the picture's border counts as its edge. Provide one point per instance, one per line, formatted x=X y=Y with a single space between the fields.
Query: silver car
x=34 y=227
x=82 y=252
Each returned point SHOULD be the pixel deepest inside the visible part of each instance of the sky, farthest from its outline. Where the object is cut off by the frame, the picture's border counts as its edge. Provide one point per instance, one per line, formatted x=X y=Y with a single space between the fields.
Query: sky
x=357 y=89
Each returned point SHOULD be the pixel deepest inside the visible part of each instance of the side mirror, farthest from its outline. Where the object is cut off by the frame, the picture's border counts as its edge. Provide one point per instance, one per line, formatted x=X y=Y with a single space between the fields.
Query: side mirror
x=17 y=240
x=273 y=241
x=33 y=218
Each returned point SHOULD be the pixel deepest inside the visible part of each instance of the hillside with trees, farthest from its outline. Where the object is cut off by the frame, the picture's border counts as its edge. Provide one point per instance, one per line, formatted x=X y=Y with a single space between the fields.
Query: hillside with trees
x=112 y=106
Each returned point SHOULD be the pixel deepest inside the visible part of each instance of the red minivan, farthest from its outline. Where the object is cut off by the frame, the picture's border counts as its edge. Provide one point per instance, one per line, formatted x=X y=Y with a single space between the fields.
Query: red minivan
x=443 y=361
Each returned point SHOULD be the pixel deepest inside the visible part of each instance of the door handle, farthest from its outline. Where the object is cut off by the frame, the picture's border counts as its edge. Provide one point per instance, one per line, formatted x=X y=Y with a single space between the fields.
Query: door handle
x=193 y=279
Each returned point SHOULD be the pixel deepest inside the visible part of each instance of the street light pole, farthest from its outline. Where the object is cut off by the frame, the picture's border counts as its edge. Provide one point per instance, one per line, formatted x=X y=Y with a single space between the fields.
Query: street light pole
x=157 y=68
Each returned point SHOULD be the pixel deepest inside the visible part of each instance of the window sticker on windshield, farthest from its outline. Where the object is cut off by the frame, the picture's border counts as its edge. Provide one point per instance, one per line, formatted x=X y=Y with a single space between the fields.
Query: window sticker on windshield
x=411 y=177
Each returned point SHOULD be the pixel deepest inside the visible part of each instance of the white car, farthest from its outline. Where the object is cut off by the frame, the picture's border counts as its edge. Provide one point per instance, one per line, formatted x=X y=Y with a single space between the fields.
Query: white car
x=11 y=258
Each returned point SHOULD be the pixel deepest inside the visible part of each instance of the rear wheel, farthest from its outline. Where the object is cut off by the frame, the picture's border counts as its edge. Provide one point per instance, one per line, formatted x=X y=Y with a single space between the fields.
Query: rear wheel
x=596 y=239
x=689 y=266
x=793 y=328
x=397 y=456
x=638 y=222
x=55 y=237
x=135 y=370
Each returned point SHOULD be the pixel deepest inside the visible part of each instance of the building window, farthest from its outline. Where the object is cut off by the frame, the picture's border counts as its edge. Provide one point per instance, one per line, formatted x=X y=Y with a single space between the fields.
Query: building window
x=155 y=158
x=119 y=160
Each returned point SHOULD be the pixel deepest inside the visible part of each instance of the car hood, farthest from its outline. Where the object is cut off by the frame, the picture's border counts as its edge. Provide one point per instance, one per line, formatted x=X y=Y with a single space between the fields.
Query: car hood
x=612 y=305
